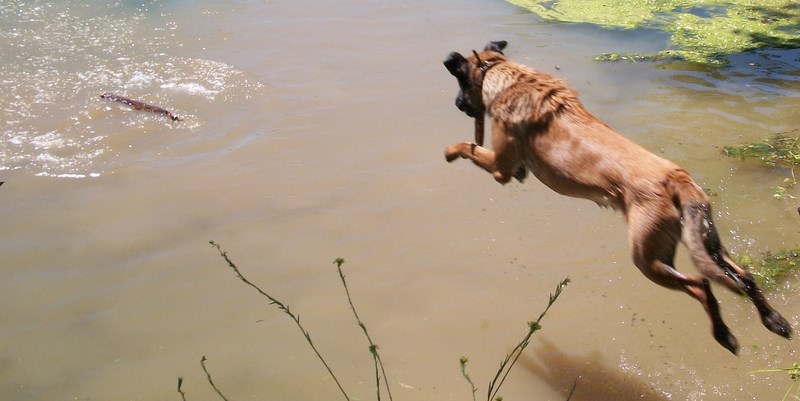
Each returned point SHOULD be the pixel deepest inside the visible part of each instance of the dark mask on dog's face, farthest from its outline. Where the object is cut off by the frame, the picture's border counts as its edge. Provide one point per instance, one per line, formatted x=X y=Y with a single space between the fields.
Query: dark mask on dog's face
x=469 y=95
x=469 y=73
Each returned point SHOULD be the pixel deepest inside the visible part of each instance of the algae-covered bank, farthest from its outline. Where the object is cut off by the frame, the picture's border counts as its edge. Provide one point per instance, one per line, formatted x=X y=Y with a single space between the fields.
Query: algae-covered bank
x=703 y=32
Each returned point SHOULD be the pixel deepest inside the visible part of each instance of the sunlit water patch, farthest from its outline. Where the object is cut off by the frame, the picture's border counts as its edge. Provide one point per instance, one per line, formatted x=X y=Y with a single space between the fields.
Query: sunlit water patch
x=58 y=59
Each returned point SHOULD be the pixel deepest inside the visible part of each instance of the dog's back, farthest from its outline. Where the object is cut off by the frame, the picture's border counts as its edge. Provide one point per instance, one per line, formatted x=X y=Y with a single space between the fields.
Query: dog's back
x=571 y=151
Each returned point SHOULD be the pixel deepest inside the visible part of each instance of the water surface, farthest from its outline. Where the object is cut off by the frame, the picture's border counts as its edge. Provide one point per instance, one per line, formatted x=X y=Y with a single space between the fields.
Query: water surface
x=316 y=130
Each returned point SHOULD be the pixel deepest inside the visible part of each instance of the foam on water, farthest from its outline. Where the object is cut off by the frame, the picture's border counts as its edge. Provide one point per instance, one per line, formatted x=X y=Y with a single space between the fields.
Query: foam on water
x=58 y=58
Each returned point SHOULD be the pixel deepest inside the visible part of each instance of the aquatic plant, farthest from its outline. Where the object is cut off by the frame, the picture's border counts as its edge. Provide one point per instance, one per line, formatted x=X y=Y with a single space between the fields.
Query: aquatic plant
x=380 y=372
x=508 y=363
x=373 y=349
x=703 y=33
x=208 y=377
x=772 y=269
x=780 y=150
x=794 y=374
x=283 y=307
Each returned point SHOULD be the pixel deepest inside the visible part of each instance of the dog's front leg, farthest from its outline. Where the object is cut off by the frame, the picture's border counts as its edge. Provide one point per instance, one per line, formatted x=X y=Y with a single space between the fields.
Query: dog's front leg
x=479 y=129
x=482 y=157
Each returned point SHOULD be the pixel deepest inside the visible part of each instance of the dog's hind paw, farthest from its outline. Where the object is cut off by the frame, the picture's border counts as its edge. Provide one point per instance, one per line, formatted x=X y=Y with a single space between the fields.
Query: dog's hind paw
x=726 y=339
x=777 y=324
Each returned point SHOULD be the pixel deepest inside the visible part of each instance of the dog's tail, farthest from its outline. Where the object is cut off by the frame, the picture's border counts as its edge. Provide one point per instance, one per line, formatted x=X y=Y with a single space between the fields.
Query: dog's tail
x=700 y=236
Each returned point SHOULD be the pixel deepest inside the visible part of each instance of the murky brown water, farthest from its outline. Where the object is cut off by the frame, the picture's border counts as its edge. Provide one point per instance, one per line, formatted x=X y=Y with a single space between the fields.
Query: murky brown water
x=315 y=130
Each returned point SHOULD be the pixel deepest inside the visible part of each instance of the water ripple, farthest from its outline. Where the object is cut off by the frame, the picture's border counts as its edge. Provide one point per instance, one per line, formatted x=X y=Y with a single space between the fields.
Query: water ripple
x=57 y=60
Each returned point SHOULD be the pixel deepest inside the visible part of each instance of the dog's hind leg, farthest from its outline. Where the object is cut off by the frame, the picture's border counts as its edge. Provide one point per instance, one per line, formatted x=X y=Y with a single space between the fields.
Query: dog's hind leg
x=653 y=236
x=711 y=258
x=714 y=262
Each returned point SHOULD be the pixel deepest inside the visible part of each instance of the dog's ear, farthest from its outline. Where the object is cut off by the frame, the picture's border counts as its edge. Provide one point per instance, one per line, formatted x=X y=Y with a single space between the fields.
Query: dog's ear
x=497 y=46
x=455 y=63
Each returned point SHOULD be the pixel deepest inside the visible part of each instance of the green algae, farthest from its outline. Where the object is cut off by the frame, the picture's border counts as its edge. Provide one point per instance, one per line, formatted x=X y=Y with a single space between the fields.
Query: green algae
x=772 y=270
x=779 y=150
x=704 y=31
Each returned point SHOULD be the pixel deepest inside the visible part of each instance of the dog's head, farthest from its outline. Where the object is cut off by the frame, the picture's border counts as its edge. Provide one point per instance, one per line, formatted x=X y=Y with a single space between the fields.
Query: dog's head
x=470 y=72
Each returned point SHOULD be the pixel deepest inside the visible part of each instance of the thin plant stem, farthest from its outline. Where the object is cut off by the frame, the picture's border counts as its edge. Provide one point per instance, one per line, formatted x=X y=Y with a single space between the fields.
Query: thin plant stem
x=285 y=309
x=180 y=390
x=786 y=394
x=208 y=375
x=572 y=391
x=513 y=356
x=794 y=374
x=379 y=369
x=463 y=360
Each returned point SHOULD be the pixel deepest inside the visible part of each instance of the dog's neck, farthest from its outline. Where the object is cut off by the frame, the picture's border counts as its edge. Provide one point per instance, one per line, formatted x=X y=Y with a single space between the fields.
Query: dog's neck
x=488 y=94
x=483 y=67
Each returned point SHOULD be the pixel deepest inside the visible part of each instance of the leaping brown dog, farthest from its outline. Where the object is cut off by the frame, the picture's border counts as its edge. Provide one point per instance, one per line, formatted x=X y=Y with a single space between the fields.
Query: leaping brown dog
x=538 y=124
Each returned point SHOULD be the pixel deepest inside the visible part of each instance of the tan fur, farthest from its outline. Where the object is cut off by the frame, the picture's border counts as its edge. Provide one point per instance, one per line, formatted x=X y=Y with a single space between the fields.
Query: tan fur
x=538 y=123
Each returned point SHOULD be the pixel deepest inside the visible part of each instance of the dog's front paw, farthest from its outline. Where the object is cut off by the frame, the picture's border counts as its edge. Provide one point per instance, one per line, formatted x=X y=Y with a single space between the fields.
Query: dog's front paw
x=452 y=153
x=463 y=150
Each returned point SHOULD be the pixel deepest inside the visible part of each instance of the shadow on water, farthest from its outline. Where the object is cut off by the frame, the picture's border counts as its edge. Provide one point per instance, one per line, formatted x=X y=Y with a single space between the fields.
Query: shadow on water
x=597 y=379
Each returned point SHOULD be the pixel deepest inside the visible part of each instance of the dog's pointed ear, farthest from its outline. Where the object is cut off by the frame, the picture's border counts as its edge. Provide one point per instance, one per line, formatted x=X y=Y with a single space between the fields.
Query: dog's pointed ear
x=497 y=46
x=455 y=63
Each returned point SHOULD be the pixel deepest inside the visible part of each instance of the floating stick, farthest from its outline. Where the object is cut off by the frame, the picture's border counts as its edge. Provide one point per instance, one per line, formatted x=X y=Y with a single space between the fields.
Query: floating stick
x=140 y=105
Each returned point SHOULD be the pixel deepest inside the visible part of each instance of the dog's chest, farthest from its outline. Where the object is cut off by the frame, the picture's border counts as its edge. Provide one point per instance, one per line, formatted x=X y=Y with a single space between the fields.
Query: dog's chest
x=559 y=166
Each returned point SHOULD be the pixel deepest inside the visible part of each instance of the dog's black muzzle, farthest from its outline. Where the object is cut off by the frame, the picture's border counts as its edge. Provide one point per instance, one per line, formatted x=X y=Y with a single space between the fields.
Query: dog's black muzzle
x=464 y=106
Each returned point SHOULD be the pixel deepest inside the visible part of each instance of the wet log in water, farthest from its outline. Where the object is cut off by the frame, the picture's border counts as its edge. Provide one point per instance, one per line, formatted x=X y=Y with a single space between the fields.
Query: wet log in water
x=140 y=105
